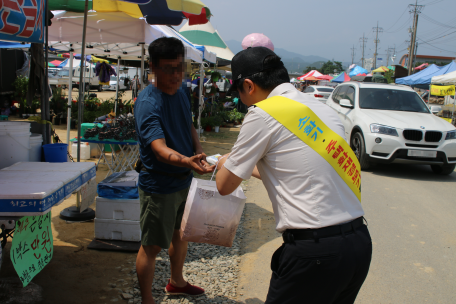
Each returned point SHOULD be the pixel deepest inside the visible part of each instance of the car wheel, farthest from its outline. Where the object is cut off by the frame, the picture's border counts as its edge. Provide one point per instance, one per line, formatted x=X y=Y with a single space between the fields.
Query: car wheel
x=100 y=88
x=358 y=146
x=443 y=170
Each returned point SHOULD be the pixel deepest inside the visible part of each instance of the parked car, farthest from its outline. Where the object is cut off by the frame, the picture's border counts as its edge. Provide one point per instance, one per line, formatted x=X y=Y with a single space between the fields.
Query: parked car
x=391 y=123
x=435 y=109
x=113 y=83
x=321 y=93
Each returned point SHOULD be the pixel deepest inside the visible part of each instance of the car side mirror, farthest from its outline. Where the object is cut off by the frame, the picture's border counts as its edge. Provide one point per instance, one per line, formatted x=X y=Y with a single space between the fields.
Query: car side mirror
x=346 y=103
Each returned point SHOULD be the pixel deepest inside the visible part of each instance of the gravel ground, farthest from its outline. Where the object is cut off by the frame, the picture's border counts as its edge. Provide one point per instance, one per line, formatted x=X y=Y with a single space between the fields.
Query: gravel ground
x=213 y=268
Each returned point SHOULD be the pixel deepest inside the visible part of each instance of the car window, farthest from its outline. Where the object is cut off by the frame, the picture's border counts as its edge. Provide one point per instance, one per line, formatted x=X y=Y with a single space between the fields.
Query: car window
x=326 y=90
x=392 y=100
x=350 y=95
x=309 y=90
x=340 y=94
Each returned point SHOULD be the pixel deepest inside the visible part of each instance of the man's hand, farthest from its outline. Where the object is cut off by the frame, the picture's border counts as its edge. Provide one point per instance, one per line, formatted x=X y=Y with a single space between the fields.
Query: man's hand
x=203 y=158
x=197 y=164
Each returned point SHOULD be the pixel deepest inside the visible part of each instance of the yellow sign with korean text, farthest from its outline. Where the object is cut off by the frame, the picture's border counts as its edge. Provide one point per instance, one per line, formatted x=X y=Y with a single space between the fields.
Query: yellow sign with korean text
x=308 y=127
x=442 y=90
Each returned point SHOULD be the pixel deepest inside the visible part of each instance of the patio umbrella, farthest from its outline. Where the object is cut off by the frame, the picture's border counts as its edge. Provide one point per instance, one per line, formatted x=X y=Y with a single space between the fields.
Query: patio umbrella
x=423 y=66
x=54 y=63
x=381 y=69
x=168 y=12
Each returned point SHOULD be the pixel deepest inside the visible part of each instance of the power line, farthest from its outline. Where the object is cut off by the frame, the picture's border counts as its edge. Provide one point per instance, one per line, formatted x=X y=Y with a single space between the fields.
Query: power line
x=387 y=31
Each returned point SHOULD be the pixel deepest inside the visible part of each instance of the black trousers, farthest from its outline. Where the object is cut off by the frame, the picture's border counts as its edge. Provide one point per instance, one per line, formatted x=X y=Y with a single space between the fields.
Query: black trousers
x=328 y=271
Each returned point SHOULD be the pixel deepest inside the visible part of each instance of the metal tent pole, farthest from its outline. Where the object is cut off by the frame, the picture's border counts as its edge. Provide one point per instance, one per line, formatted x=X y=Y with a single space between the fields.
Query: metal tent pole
x=70 y=98
x=45 y=115
x=201 y=100
x=81 y=83
x=75 y=213
x=117 y=85
x=142 y=66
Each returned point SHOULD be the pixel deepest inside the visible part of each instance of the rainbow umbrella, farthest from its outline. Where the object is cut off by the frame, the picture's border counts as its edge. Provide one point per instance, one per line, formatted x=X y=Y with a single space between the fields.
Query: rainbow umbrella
x=168 y=12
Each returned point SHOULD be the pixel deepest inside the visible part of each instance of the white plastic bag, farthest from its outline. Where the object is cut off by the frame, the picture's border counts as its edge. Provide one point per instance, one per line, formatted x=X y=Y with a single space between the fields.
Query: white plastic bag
x=209 y=217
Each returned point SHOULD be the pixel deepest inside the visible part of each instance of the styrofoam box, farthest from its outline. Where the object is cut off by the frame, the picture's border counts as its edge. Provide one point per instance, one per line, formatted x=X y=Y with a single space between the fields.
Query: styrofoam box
x=117 y=230
x=117 y=209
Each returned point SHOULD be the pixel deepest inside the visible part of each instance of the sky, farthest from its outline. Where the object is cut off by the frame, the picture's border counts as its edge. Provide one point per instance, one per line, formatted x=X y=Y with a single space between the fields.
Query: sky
x=330 y=28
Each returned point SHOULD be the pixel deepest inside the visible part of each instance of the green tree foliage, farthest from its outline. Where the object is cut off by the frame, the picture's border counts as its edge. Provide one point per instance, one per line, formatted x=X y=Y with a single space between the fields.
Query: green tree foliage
x=389 y=76
x=329 y=67
x=308 y=69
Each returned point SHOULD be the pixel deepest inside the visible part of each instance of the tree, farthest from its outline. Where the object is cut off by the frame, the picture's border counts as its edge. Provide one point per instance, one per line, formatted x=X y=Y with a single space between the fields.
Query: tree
x=329 y=67
x=389 y=76
x=308 y=69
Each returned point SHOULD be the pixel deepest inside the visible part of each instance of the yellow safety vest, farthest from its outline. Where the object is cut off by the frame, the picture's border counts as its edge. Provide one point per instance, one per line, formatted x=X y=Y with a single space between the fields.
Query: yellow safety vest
x=308 y=127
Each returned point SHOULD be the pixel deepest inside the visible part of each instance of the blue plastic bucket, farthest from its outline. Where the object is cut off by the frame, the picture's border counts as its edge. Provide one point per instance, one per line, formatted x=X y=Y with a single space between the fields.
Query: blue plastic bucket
x=55 y=153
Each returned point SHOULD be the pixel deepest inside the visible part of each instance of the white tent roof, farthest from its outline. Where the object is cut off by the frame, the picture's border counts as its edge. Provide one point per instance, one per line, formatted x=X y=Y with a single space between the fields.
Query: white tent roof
x=449 y=78
x=208 y=35
x=110 y=34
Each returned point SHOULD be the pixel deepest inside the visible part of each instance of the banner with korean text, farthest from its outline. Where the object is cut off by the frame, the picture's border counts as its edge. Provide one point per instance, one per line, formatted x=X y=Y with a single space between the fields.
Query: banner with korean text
x=442 y=90
x=307 y=126
x=32 y=246
x=22 y=20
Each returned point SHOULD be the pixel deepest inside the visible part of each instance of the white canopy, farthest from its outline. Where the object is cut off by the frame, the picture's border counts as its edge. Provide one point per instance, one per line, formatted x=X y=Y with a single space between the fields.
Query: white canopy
x=110 y=34
x=449 y=78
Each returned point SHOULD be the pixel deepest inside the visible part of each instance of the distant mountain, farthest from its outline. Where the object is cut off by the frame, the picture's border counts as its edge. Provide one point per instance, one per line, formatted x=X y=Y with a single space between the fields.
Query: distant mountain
x=294 y=62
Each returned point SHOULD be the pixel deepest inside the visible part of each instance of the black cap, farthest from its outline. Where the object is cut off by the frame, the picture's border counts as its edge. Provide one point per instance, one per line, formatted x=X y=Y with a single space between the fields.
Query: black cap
x=250 y=61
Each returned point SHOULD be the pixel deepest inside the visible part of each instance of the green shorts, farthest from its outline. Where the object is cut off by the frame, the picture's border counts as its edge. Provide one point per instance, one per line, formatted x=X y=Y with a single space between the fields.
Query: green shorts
x=160 y=215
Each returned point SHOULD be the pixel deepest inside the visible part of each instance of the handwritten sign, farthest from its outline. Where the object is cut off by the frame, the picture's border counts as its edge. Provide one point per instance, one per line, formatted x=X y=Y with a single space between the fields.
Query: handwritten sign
x=442 y=90
x=32 y=246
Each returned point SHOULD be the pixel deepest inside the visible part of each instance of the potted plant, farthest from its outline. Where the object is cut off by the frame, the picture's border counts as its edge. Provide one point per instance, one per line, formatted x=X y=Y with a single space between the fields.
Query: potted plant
x=217 y=121
x=206 y=123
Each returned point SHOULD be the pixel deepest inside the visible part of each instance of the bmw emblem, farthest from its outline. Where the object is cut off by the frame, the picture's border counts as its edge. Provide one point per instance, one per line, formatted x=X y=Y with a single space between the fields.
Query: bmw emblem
x=422 y=127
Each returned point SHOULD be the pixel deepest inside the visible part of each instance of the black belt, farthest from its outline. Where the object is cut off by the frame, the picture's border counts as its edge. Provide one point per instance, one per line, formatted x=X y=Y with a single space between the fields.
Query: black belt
x=291 y=235
x=180 y=176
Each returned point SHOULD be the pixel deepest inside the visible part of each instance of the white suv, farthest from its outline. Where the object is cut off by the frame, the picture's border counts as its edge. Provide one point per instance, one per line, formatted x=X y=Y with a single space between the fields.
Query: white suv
x=391 y=123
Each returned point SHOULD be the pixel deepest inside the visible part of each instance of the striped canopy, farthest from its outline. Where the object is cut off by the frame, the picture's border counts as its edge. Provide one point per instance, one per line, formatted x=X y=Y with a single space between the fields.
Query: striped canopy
x=168 y=12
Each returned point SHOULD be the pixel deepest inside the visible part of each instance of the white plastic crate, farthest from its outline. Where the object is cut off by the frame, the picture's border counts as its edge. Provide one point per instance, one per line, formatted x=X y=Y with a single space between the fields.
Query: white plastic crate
x=117 y=209
x=117 y=230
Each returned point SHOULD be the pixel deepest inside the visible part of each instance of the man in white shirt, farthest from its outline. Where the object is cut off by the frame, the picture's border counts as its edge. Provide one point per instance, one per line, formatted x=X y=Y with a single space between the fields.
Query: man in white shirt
x=327 y=248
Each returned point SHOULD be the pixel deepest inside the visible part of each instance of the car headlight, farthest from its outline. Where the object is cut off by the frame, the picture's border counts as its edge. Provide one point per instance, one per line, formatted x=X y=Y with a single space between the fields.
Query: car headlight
x=450 y=135
x=381 y=129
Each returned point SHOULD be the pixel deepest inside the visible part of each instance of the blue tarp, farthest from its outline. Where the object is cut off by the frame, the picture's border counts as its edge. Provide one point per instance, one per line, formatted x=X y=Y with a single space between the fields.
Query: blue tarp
x=357 y=70
x=426 y=79
x=13 y=45
x=409 y=79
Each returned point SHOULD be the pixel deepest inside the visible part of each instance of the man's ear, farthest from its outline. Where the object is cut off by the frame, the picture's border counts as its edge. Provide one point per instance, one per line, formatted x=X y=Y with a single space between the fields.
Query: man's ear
x=250 y=86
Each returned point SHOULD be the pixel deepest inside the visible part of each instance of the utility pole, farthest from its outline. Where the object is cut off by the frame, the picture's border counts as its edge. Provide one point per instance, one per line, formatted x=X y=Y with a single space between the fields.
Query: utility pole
x=416 y=10
x=376 y=30
x=363 y=42
x=353 y=53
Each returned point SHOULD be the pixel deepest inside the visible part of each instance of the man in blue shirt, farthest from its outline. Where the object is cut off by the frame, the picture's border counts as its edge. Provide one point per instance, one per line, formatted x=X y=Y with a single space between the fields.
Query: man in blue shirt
x=169 y=150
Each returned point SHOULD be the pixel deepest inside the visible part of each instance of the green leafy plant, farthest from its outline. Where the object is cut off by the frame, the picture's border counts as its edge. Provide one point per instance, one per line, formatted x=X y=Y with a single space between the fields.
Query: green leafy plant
x=234 y=115
x=20 y=85
x=217 y=121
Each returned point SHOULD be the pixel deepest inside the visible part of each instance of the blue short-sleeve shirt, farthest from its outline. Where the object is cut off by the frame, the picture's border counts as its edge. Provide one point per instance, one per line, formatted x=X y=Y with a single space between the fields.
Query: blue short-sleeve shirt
x=159 y=115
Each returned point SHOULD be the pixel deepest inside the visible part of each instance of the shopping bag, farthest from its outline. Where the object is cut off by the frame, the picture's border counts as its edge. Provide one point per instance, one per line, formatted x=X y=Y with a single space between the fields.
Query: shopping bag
x=209 y=217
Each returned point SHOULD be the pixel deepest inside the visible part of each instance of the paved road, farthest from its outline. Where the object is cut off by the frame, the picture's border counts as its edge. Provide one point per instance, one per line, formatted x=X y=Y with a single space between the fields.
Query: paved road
x=412 y=220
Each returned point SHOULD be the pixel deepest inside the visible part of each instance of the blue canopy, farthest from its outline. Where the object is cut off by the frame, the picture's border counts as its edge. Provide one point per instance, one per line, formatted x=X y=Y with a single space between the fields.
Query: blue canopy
x=409 y=79
x=13 y=45
x=426 y=79
x=341 y=78
x=357 y=70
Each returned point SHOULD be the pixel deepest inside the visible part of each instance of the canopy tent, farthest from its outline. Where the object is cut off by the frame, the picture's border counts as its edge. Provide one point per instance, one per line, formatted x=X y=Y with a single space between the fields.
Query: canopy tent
x=206 y=35
x=293 y=80
x=381 y=69
x=449 y=78
x=342 y=77
x=166 y=12
x=324 y=77
x=362 y=74
x=311 y=78
x=357 y=70
x=13 y=45
x=313 y=73
x=426 y=79
x=111 y=35
x=409 y=79
x=391 y=67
